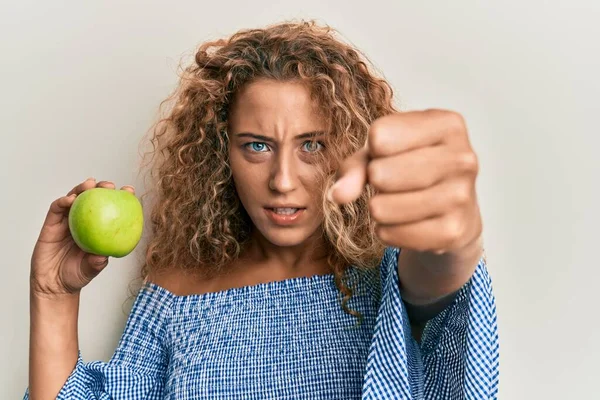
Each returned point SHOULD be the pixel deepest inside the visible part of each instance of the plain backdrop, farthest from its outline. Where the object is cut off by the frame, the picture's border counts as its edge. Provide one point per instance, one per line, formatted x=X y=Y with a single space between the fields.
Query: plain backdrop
x=80 y=83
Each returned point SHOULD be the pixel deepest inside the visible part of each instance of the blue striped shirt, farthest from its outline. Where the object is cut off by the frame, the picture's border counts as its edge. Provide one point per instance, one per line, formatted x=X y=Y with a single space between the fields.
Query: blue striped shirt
x=291 y=340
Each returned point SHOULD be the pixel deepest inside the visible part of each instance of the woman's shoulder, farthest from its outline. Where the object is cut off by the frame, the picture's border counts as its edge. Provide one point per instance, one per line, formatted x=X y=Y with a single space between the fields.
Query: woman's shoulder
x=175 y=282
x=151 y=310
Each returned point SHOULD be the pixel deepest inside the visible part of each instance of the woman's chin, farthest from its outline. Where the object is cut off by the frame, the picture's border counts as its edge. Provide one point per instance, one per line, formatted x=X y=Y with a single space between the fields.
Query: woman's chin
x=286 y=236
x=286 y=239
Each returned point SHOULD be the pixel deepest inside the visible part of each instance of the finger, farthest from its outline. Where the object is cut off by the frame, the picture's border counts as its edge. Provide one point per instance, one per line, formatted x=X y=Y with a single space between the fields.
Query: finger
x=85 y=185
x=92 y=265
x=105 y=184
x=408 y=207
x=400 y=132
x=58 y=209
x=420 y=168
x=352 y=178
x=129 y=188
x=439 y=234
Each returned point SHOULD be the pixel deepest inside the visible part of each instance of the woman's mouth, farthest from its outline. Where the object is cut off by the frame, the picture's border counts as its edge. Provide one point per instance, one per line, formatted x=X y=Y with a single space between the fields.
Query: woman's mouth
x=284 y=215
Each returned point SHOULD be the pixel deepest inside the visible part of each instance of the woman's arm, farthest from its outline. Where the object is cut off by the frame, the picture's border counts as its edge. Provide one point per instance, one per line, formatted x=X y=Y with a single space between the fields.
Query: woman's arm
x=139 y=364
x=423 y=169
x=458 y=351
x=53 y=343
x=59 y=270
x=426 y=277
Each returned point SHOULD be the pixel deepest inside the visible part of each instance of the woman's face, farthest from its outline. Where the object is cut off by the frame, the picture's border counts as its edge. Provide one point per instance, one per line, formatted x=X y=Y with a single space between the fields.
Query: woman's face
x=275 y=132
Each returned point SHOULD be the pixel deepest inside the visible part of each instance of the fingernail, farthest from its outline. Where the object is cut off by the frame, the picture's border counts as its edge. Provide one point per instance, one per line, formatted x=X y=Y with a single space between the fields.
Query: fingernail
x=101 y=261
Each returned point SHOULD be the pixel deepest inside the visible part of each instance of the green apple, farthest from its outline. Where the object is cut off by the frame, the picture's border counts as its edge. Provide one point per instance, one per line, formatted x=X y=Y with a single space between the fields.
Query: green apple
x=106 y=222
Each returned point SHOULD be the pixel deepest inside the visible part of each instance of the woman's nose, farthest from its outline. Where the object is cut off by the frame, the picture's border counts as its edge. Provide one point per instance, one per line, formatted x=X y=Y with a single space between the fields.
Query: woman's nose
x=283 y=175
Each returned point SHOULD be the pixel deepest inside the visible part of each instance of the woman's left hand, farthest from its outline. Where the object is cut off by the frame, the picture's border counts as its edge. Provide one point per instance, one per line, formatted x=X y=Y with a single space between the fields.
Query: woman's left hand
x=423 y=169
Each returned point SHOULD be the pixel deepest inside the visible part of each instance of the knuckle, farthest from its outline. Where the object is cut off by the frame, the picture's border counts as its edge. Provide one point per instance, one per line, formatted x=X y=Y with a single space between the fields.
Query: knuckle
x=433 y=112
x=375 y=136
x=453 y=121
x=467 y=161
x=456 y=120
x=375 y=209
x=382 y=233
x=378 y=133
x=375 y=174
x=451 y=231
x=461 y=194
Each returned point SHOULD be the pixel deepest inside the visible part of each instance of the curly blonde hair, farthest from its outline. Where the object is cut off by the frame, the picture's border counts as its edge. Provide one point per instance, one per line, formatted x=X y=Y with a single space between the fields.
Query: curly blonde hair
x=197 y=221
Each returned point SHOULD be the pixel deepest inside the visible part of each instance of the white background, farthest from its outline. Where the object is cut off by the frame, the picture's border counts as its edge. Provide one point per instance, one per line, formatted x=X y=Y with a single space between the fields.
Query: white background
x=80 y=84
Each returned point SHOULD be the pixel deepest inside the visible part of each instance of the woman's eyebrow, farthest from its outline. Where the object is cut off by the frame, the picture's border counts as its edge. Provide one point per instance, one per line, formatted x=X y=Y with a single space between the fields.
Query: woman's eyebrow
x=306 y=135
x=309 y=135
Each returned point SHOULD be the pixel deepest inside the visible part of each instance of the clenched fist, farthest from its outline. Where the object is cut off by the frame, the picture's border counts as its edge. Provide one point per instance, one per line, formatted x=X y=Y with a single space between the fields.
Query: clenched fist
x=423 y=170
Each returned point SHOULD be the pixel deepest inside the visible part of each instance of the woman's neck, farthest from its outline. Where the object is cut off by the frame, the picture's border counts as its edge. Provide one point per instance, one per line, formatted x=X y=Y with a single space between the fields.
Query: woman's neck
x=287 y=259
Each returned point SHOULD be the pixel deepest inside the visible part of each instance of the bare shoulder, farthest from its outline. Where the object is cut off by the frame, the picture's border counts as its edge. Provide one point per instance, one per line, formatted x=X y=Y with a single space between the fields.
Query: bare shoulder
x=177 y=281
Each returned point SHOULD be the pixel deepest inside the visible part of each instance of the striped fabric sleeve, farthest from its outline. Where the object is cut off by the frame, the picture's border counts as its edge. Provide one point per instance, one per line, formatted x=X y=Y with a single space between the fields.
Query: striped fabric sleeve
x=458 y=354
x=137 y=368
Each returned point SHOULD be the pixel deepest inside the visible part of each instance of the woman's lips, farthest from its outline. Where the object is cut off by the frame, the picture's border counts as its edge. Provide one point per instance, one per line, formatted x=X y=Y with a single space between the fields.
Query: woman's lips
x=284 y=219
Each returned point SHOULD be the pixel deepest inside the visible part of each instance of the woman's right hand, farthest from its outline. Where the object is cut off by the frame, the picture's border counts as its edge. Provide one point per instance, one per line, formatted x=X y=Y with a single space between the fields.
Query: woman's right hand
x=58 y=265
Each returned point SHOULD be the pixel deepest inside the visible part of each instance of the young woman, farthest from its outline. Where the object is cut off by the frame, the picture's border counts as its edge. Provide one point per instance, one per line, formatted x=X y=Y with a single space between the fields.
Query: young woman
x=308 y=242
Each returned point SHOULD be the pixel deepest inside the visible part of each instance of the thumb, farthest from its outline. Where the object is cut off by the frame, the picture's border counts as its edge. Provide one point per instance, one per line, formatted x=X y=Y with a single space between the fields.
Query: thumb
x=352 y=178
x=92 y=265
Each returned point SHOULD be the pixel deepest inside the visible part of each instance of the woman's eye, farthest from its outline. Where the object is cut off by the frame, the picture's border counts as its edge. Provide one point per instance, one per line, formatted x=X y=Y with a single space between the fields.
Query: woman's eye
x=259 y=147
x=312 y=146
